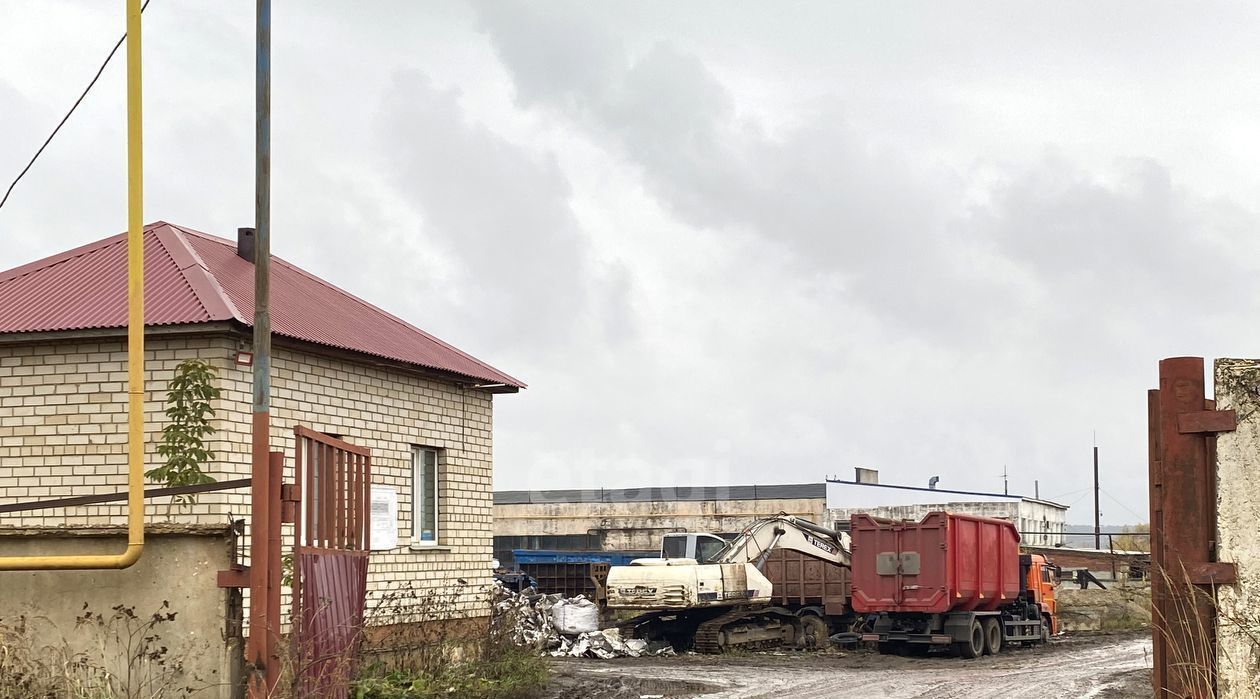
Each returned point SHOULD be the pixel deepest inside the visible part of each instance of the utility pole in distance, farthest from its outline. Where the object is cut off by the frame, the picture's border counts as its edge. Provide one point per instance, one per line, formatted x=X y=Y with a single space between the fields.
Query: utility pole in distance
x=1097 y=520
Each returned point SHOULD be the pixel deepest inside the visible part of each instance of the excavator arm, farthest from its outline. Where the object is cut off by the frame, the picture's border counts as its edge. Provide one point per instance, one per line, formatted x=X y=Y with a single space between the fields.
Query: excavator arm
x=755 y=543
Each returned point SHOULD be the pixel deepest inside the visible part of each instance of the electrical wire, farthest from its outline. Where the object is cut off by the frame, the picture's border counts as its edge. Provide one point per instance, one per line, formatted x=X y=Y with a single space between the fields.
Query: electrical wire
x=1126 y=507
x=1063 y=495
x=65 y=118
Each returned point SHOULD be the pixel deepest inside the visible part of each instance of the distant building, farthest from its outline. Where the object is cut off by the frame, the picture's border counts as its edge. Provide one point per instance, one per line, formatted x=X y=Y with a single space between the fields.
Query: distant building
x=634 y=519
x=1040 y=522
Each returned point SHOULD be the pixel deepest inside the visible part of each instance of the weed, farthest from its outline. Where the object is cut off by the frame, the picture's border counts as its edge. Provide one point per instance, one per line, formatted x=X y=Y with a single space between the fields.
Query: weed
x=127 y=658
x=1196 y=615
x=417 y=644
x=183 y=439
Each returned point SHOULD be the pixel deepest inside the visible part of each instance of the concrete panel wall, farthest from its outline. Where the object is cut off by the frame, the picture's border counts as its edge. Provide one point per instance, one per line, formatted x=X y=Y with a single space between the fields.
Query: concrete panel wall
x=179 y=567
x=639 y=525
x=1238 y=515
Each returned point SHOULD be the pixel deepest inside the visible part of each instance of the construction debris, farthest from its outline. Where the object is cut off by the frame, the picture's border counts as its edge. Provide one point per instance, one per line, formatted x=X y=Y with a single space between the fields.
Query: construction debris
x=559 y=626
x=573 y=617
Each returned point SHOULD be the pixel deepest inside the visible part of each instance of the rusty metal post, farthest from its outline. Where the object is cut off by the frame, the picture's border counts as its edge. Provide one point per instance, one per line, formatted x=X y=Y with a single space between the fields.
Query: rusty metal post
x=261 y=632
x=275 y=468
x=1186 y=525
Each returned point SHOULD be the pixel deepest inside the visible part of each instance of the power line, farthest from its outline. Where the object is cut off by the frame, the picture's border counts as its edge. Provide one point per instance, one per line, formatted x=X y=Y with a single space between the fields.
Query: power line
x=1126 y=507
x=67 y=116
x=1070 y=492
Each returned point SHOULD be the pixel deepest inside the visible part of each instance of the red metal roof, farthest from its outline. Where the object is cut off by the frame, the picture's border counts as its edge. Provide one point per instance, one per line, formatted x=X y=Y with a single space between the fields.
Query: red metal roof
x=191 y=277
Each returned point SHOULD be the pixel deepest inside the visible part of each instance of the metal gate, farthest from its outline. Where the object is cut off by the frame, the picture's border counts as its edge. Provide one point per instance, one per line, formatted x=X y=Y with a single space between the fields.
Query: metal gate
x=330 y=560
x=1182 y=431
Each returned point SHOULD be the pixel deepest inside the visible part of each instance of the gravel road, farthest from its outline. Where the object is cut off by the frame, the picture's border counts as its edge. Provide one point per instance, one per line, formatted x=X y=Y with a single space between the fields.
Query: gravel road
x=1079 y=666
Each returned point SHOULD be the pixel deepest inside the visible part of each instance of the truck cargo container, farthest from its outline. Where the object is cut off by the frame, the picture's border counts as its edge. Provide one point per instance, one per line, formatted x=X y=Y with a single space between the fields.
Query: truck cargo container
x=949 y=579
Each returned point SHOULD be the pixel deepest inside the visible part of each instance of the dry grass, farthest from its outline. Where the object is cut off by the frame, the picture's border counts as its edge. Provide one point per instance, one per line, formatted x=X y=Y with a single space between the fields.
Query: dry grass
x=127 y=659
x=417 y=644
x=1192 y=665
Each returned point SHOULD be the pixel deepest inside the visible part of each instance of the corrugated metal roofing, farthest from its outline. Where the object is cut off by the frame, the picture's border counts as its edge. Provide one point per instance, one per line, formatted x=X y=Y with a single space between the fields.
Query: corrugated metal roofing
x=676 y=494
x=192 y=277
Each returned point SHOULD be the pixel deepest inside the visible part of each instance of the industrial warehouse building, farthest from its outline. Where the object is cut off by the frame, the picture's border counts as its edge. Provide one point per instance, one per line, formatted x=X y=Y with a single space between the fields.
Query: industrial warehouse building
x=1040 y=522
x=634 y=519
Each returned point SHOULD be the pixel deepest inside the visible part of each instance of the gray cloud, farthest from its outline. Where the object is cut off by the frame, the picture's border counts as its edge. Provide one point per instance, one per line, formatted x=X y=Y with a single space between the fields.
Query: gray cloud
x=722 y=243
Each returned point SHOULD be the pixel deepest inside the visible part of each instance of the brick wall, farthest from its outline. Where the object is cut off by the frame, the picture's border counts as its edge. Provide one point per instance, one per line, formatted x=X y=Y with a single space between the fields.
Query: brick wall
x=63 y=425
x=63 y=432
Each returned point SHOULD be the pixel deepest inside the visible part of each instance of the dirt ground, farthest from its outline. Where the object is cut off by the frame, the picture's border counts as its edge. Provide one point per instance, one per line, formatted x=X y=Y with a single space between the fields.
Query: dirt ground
x=1105 y=666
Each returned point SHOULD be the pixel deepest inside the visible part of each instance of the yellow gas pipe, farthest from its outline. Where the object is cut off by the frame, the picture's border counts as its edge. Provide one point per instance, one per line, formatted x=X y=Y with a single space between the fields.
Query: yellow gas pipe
x=135 y=338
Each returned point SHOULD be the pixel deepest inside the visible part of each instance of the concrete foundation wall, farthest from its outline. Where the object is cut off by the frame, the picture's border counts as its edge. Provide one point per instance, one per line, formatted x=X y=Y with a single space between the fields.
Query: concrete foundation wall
x=179 y=567
x=1238 y=523
x=640 y=525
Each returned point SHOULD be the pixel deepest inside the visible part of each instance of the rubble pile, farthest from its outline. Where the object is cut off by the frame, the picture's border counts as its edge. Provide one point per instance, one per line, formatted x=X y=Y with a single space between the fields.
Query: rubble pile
x=559 y=626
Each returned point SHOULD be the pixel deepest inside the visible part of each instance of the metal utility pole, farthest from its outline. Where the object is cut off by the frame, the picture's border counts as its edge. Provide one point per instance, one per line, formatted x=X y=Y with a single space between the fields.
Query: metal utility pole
x=263 y=628
x=1097 y=520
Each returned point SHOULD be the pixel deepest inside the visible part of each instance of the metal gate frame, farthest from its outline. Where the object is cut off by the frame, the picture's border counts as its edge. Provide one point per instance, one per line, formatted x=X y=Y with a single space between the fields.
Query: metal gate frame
x=332 y=540
x=1182 y=429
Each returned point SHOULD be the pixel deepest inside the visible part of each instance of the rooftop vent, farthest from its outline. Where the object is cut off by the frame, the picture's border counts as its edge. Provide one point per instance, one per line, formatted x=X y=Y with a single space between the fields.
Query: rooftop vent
x=866 y=475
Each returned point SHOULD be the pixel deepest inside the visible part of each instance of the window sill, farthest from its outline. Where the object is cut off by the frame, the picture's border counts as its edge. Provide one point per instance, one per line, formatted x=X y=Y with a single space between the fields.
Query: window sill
x=422 y=548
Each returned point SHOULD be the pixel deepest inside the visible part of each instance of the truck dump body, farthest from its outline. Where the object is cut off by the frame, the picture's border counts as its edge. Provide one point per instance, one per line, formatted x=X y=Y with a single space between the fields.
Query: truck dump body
x=803 y=581
x=943 y=563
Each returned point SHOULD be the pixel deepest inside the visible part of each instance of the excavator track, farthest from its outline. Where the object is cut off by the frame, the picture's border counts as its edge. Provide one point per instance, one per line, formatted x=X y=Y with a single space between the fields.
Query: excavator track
x=708 y=637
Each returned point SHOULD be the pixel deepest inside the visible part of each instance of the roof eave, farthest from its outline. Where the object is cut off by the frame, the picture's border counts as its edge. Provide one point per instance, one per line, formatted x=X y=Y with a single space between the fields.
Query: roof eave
x=37 y=337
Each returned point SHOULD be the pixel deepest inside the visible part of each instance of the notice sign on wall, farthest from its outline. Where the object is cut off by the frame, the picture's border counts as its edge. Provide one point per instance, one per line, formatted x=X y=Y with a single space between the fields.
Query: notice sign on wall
x=384 y=518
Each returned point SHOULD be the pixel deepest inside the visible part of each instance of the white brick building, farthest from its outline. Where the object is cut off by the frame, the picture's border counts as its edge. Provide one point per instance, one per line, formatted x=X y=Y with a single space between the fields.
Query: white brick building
x=341 y=366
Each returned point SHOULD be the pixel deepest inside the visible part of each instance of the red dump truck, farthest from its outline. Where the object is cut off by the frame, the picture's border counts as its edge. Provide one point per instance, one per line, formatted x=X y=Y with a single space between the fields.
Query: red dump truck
x=949 y=579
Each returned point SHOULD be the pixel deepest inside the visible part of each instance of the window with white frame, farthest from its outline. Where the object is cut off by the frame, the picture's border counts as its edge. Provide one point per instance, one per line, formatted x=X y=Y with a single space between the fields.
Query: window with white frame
x=424 y=496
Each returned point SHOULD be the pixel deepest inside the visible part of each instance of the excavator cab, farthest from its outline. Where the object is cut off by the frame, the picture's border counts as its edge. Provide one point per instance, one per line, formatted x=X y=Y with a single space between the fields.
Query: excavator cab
x=697 y=546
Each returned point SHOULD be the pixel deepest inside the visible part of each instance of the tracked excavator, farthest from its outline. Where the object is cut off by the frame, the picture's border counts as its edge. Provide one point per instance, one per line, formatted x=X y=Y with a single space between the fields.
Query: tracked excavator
x=724 y=602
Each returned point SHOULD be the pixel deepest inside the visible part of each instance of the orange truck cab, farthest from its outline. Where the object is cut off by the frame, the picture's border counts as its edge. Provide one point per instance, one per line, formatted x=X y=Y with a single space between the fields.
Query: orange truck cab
x=1040 y=577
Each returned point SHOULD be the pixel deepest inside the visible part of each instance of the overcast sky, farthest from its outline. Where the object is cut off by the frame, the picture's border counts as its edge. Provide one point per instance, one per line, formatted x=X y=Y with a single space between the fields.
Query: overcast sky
x=724 y=243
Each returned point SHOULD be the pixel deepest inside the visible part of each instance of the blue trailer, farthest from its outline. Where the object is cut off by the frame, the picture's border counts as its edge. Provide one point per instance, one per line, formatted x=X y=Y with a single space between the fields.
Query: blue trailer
x=616 y=558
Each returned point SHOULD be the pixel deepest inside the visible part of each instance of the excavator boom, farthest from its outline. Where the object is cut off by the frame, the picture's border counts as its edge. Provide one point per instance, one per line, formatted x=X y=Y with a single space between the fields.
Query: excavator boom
x=759 y=539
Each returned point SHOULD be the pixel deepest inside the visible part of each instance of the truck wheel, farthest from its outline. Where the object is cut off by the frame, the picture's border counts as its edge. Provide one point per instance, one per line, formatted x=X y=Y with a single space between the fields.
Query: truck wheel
x=992 y=636
x=1045 y=630
x=974 y=646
